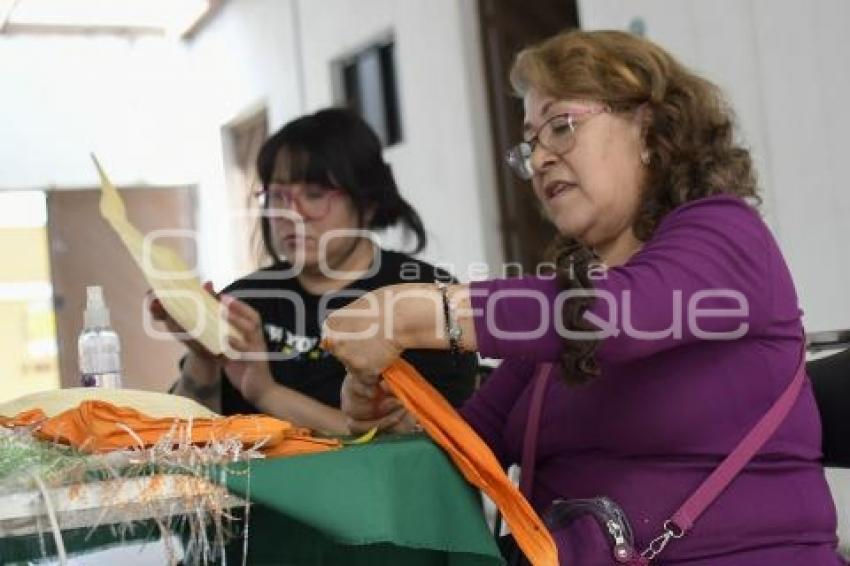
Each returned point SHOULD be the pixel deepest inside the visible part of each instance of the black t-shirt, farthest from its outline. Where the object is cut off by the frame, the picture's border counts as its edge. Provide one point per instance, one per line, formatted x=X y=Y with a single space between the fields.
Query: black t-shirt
x=292 y=321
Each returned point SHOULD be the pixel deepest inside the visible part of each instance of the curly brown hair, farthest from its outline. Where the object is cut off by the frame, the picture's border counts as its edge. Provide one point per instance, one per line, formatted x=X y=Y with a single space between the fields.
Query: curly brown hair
x=689 y=134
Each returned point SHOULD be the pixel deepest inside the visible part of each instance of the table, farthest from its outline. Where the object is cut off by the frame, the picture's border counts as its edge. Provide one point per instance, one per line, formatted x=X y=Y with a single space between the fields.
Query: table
x=397 y=500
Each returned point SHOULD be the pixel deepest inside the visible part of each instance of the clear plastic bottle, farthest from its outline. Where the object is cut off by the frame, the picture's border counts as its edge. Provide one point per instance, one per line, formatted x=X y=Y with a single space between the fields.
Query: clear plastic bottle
x=98 y=347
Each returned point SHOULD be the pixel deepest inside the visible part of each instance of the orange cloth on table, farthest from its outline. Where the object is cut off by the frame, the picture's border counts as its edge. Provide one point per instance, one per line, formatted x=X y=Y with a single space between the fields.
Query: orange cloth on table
x=99 y=426
x=24 y=418
x=474 y=459
x=299 y=445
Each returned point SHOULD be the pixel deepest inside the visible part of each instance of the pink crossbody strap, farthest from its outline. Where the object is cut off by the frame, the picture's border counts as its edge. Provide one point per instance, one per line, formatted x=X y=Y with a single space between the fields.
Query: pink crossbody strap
x=684 y=518
x=532 y=427
x=720 y=478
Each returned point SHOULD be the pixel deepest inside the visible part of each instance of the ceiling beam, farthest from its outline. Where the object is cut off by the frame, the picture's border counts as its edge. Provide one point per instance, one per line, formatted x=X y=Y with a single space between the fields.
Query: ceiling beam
x=6 y=9
x=13 y=28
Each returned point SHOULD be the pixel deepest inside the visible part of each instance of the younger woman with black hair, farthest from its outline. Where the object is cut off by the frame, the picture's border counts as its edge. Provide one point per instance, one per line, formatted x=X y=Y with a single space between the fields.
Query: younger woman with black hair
x=325 y=190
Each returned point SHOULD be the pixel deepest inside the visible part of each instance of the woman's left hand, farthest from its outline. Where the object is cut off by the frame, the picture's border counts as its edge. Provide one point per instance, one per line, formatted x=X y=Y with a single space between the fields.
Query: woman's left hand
x=247 y=366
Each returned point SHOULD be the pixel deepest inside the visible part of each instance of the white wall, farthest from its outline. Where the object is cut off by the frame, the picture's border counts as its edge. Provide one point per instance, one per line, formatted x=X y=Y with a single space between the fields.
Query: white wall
x=64 y=96
x=784 y=66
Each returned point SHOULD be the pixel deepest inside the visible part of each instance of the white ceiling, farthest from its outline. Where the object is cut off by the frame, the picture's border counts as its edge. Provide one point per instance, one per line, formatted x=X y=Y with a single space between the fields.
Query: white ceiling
x=127 y=17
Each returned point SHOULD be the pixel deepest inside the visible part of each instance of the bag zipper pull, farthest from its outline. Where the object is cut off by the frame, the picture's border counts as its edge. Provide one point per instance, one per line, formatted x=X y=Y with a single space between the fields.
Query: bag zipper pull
x=623 y=552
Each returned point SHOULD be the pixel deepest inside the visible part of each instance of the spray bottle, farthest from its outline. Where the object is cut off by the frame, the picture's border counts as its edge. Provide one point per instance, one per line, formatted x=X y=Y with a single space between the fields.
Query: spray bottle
x=98 y=346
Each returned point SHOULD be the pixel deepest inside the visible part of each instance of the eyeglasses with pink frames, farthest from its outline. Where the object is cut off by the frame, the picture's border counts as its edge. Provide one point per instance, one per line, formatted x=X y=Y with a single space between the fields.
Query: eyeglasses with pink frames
x=309 y=199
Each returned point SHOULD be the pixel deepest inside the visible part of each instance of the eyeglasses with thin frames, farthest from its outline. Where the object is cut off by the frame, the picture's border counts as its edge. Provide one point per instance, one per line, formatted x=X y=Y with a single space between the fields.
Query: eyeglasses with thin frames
x=557 y=134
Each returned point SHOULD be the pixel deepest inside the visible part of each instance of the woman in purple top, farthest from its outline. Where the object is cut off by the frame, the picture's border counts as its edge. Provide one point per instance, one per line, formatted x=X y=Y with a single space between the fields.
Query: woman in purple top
x=671 y=314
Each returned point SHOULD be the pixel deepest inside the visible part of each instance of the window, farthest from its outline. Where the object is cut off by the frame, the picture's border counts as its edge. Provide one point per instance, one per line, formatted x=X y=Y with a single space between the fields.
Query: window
x=367 y=82
x=28 y=351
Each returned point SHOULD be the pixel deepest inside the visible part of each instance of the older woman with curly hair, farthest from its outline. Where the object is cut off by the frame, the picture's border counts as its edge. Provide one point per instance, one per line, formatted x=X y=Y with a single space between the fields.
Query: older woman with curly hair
x=672 y=322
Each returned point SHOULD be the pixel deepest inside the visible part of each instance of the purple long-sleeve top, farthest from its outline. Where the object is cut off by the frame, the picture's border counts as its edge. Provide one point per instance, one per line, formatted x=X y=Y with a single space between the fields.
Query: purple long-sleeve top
x=667 y=409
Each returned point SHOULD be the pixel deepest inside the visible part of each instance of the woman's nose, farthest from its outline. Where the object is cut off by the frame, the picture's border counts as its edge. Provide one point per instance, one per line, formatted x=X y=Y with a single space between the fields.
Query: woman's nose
x=295 y=207
x=298 y=208
x=289 y=215
x=541 y=158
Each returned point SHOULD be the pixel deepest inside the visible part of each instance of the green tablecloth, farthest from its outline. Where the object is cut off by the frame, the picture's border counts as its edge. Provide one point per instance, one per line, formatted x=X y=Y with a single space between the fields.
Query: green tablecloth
x=395 y=501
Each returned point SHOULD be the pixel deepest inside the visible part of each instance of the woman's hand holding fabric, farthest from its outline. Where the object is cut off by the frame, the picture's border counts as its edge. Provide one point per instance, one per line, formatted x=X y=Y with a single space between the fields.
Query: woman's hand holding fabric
x=248 y=369
x=158 y=312
x=372 y=405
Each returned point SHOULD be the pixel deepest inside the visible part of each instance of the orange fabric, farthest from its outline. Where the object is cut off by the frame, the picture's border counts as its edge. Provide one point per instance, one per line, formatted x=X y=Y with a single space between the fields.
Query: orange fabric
x=24 y=418
x=474 y=459
x=297 y=445
x=98 y=426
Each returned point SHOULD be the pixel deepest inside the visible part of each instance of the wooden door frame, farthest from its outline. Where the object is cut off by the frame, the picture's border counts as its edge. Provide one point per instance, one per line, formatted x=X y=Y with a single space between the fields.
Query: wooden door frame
x=69 y=301
x=521 y=237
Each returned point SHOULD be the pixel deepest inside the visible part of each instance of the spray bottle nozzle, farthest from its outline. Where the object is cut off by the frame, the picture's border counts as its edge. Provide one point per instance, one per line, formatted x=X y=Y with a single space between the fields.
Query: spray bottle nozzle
x=97 y=315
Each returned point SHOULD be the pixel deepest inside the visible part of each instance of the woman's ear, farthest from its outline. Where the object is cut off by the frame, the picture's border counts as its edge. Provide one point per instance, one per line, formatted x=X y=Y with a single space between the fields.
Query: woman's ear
x=369 y=214
x=642 y=120
x=641 y=123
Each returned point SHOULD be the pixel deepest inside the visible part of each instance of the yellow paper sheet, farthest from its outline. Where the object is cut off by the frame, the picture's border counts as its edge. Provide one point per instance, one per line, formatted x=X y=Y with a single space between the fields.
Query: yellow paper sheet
x=177 y=287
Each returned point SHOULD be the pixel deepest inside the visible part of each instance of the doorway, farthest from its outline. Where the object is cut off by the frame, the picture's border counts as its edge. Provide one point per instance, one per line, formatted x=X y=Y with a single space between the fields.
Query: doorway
x=85 y=251
x=28 y=358
x=242 y=140
x=507 y=26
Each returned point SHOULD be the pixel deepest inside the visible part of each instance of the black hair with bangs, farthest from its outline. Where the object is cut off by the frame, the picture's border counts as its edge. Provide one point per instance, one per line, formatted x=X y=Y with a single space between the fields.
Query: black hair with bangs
x=336 y=148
